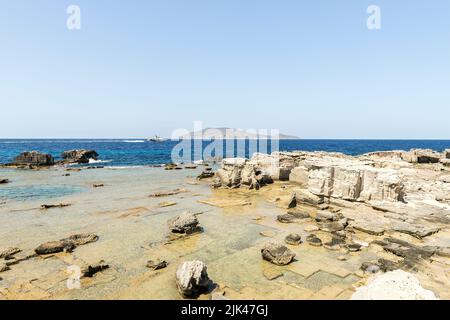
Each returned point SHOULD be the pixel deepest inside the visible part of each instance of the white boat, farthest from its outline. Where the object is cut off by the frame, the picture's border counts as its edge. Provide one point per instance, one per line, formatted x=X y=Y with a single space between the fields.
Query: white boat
x=156 y=139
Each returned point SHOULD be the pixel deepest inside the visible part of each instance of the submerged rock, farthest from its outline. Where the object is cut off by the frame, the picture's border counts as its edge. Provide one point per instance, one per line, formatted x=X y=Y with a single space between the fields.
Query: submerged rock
x=79 y=156
x=4 y=181
x=271 y=274
x=205 y=175
x=192 y=278
x=277 y=253
x=293 y=239
x=313 y=240
x=186 y=223
x=67 y=244
x=55 y=247
x=286 y=218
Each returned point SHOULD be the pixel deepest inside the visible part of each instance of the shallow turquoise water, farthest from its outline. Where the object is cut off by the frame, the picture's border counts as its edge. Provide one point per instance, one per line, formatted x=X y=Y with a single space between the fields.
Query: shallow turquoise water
x=26 y=193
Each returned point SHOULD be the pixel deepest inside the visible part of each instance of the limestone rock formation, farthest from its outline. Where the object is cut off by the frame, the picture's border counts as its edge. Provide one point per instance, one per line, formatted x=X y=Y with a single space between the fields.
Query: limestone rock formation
x=192 y=278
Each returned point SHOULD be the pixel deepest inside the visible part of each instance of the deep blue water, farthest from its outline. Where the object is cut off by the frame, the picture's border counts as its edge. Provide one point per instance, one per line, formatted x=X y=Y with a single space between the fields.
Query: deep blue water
x=129 y=152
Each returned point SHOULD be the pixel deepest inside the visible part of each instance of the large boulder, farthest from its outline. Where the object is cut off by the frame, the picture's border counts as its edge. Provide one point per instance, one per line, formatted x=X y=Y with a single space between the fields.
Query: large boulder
x=192 y=278
x=277 y=253
x=34 y=158
x=79 y=156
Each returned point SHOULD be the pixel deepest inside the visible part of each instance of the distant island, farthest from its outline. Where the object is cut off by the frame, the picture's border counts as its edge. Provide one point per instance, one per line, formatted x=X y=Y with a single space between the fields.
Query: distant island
x=231 y=133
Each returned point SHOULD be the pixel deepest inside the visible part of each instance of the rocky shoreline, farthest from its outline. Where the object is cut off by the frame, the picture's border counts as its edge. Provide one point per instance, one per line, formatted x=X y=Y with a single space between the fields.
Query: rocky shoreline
x=372 y=214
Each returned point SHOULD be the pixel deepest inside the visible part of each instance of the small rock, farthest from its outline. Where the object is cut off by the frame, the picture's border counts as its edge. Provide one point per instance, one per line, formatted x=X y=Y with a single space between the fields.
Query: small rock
x=205 y=175
x=293 y=239
x=342 y=258
x=192 y=278
x=292 y=202
x=326 y=216
x=8 y=252
x=185 y=223
x=98 y=185
x=268 y=233
x=156 y=264
x=313 y=240
x=298 y=214
x=277 y=253
x=334 y=244
x=286 y=218
x=271 y=274
x=91 y=270
x=354 y=247
x=4 y=181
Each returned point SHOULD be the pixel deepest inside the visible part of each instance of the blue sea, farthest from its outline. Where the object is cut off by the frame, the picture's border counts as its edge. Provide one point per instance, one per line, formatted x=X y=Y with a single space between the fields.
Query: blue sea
x=136 y=152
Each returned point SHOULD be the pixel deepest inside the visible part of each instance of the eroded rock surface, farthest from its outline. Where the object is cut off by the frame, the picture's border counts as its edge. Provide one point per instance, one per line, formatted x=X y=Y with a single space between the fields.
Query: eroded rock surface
x=277 y=253
x=192 y=278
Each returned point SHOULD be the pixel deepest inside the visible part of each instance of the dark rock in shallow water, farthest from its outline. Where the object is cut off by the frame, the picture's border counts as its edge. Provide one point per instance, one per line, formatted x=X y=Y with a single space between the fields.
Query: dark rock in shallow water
x=156 y=264
x=293 y=239
x=34 y=158
x=354 y=247
x=79 y=156
x=205 y=175
x=90 y=270
x=67 y=244
x=334 y=244
x=55 y=247
x=313 y=240
x=192 y=279
x=277 y=253
x=292 y=202
x=185 y=223
x=52 y=206
x=4 y=181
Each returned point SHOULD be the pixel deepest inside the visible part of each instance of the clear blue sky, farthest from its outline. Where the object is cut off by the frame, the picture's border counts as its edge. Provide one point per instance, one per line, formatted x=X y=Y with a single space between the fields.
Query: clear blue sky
x=309 y=68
